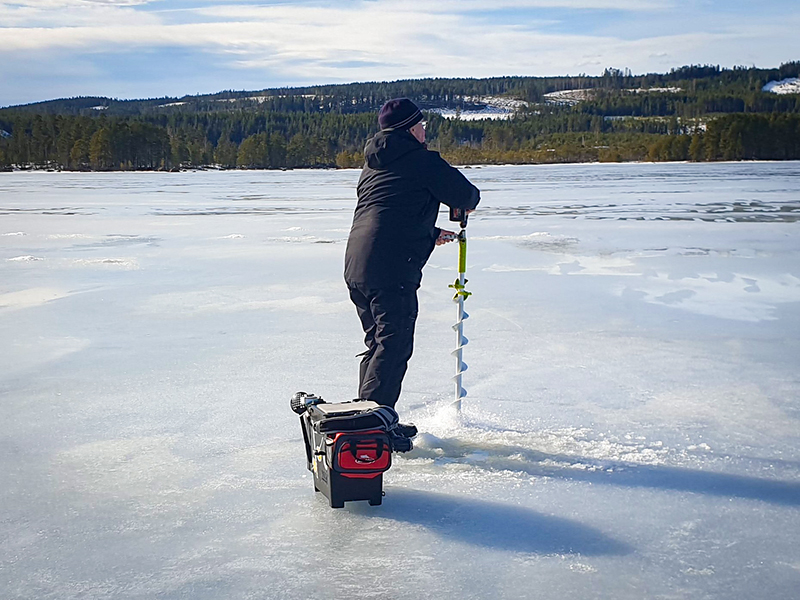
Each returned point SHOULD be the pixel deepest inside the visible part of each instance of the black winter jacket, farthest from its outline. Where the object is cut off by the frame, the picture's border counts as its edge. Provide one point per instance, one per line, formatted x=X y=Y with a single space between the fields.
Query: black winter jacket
x=394 y=225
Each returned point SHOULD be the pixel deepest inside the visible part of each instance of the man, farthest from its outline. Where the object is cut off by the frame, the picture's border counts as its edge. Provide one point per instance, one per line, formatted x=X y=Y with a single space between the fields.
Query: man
x=393 y=234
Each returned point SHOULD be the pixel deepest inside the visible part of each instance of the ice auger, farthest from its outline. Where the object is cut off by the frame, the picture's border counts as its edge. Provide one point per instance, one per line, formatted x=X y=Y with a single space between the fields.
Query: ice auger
x=461 y=294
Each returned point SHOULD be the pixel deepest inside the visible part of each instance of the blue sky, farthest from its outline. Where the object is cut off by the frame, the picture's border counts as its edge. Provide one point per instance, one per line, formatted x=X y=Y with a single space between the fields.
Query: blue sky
x=153 y=48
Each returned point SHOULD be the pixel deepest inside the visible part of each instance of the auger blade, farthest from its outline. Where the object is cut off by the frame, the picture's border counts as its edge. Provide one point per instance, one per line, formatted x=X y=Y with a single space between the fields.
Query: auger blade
x=457 y=323
x=459 y=297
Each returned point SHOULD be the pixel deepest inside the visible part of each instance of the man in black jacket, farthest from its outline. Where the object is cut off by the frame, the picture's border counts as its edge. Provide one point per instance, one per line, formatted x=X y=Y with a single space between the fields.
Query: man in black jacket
x=393 y=234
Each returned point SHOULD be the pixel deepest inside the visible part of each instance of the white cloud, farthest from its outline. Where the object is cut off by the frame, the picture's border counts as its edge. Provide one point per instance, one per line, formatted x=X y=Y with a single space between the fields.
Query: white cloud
x=63 y=14
x=321 y=38
x=51 y=4
x=347 y=41
x=483 y=6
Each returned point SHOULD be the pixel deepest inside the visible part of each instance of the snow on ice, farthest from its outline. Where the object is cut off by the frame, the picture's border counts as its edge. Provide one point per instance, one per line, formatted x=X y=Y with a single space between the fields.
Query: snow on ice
x=630 y=430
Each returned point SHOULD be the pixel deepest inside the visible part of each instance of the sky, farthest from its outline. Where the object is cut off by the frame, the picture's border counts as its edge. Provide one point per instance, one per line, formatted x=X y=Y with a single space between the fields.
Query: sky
x=156 y=48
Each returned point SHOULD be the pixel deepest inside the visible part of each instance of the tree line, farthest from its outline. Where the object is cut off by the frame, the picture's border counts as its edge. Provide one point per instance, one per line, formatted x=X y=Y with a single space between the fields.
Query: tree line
x=712 y=81
x=291 y=140
x=730 y=137
x=717 y=114
x=248 y=140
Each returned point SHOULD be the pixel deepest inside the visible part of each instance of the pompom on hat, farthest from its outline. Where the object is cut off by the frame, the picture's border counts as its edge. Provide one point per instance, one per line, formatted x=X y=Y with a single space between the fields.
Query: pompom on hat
x=399 y=113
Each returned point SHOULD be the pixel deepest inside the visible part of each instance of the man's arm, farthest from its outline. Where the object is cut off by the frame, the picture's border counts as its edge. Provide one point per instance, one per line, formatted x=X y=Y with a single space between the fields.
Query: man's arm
x=448 y=185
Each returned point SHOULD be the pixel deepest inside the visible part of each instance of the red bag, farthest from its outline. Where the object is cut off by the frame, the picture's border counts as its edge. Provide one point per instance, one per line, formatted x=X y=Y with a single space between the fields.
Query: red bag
x=365 y=454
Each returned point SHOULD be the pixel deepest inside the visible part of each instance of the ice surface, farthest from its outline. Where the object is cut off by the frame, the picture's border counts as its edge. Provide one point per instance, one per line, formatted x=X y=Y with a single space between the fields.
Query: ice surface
x=631 y=428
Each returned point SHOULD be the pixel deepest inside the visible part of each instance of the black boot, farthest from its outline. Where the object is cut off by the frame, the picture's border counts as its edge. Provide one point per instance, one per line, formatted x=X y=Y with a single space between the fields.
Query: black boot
x=408 y=431
x=400 y=443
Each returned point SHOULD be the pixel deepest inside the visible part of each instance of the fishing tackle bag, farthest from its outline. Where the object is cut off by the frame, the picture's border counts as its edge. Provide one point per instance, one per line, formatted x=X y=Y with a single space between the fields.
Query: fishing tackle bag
x=348 y=446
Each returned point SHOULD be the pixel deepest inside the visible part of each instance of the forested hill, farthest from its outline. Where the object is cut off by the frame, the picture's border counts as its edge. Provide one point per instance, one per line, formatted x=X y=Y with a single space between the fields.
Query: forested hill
x=691 y=113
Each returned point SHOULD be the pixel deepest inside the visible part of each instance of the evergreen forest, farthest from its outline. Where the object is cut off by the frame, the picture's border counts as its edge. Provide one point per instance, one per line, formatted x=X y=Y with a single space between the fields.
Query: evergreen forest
x=696 y=113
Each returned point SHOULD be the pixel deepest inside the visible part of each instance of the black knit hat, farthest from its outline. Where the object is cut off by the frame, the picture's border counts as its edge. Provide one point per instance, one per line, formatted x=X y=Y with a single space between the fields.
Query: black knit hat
x=400 y=113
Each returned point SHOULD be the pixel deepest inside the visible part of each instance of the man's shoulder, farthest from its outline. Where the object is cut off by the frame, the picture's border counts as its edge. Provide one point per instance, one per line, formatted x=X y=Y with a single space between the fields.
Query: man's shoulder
x=432 y=154
x=431 y=158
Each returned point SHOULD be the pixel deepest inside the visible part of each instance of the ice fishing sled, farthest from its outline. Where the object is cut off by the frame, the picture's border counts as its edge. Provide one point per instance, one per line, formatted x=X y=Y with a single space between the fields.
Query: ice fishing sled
x=348 y=446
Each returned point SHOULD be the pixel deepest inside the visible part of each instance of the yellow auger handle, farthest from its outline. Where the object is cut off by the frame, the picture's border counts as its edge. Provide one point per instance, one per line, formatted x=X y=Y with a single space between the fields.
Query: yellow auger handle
x=462 y=251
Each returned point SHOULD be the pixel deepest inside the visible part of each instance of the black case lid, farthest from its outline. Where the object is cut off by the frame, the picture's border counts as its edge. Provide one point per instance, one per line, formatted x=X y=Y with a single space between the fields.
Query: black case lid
x=352 y=416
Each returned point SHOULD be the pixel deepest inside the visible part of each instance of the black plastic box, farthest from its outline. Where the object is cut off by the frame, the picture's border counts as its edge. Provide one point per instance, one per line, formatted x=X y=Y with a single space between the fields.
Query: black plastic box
x=348 y=449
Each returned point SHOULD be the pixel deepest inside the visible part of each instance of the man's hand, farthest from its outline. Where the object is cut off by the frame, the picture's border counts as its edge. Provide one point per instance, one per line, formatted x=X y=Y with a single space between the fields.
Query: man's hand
x=446 y=236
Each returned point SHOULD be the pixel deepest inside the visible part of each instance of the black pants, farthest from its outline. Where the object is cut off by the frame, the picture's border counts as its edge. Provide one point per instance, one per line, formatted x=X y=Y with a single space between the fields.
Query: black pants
x=387 y=316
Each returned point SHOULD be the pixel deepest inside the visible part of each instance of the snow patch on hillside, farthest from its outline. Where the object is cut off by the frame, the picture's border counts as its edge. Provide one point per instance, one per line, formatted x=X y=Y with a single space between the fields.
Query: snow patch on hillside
x=784 y=86
x=473 y=115
x=568 y=97
x=658 y=90
x=264 y=97
x=494 y=107
x=573 y=97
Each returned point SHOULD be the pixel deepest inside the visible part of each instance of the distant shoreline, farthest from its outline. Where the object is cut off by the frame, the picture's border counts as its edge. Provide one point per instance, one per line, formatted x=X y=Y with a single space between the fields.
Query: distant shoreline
x=468 y=166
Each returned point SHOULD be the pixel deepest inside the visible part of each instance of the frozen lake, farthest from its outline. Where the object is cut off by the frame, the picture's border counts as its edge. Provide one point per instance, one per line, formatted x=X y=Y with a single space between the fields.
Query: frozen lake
x=632 y=428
